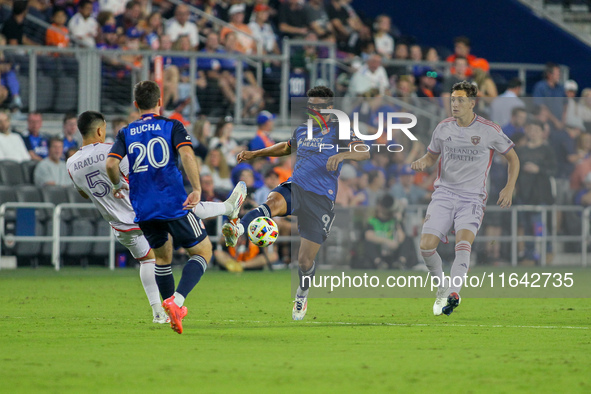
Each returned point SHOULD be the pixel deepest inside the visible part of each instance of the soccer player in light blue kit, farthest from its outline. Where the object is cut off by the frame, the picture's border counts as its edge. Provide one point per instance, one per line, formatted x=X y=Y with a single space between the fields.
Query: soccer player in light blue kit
x=152 y=145
x=309 y=193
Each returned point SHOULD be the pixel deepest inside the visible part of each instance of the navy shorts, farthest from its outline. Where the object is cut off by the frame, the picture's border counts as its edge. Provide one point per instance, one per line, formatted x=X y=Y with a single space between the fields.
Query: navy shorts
x=186 y=232
x=315 y=212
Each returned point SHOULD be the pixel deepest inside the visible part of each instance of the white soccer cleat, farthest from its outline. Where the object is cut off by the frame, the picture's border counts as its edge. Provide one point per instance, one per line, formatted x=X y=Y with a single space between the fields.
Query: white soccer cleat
x=232 y=231
x=161 y=318
x=300 y=306
x=440 y=301
x=234 y=202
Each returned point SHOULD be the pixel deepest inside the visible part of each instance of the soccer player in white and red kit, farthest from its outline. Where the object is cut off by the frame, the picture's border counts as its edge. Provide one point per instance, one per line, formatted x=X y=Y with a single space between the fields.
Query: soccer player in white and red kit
x=87 y=168
x=463 y=146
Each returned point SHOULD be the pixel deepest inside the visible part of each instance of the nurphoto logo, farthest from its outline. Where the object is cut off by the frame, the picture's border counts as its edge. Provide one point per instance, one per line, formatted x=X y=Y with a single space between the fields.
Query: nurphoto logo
x=345 y=129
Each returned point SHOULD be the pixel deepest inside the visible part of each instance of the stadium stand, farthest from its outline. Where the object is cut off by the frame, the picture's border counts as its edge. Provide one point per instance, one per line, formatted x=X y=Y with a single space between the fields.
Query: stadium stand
x=205 y=78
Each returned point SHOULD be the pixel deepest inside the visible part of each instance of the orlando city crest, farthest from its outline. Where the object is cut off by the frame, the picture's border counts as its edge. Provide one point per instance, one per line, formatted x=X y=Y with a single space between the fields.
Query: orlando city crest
x=475 y=139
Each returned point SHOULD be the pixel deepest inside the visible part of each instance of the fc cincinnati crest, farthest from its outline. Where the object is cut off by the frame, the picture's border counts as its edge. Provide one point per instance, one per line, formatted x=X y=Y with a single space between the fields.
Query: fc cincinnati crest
x=475 y=139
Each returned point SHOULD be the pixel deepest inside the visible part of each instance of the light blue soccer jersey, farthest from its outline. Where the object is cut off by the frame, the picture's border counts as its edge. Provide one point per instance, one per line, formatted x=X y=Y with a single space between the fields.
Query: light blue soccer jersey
x=156 y=186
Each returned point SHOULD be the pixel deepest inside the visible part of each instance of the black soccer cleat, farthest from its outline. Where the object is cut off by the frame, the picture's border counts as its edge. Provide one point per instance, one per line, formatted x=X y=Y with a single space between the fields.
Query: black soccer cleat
x=453 y=300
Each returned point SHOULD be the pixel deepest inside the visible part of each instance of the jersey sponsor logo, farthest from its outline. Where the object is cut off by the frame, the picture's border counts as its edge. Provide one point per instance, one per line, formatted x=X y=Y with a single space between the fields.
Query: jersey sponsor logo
x=144 y=127
x=89 y=161
x=475 y=139
x=448 y=139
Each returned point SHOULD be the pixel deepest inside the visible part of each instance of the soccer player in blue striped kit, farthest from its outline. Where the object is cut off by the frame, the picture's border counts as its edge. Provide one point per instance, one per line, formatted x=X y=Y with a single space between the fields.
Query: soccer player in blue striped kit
x=153 y=144
x=310 y=192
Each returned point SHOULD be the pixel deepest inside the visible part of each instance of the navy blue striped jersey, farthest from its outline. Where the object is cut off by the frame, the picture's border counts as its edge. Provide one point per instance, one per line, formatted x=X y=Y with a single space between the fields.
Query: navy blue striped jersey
x=312 y=156
x=156 y=188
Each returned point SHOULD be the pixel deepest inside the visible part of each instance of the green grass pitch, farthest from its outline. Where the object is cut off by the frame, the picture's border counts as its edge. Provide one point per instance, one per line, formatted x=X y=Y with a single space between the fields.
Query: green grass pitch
x=90 y=331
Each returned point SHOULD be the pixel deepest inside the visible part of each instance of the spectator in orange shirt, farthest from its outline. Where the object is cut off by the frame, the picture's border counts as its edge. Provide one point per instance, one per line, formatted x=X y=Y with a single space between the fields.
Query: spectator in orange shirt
x=58 y=34
x=462 y=49
x=284 y=169
x=244 y=43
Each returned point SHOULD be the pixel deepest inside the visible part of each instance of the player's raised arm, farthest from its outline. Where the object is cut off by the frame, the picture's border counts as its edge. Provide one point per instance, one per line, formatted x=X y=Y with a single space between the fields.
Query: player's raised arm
x=506 y=195
x=424 y=162
x=277 y=150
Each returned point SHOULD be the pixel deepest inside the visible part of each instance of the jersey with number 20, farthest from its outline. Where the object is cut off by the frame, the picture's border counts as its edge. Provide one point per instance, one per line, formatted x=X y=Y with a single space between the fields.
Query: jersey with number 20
x=151 y=145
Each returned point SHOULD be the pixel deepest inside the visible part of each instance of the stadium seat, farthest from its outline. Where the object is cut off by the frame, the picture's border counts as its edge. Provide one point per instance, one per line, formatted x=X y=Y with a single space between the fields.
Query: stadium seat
x=29 y=193
x=45 y=91
x=66 y=97
x=79 y=227
x=23 y=81
x=88 y=214
x=58 y=195
x=10 y=173
x=101 y=249
x=7 y=194
x=32 y=249
x=28 y=168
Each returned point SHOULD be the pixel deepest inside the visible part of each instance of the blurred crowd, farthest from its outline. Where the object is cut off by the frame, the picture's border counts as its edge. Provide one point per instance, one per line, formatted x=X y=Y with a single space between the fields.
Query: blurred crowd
x=550 y=128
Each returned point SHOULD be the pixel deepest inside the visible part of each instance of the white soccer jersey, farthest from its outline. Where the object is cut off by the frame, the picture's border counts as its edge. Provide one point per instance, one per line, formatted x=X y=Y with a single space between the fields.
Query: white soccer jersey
x=466 y=154
x=88 y=171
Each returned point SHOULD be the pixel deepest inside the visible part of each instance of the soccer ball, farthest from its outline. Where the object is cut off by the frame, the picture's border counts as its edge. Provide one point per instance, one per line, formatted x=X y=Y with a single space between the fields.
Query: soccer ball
x=263 y=231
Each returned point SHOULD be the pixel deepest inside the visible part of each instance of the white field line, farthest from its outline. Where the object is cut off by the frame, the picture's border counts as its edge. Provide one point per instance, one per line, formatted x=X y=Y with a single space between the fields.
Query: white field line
x=328 y=323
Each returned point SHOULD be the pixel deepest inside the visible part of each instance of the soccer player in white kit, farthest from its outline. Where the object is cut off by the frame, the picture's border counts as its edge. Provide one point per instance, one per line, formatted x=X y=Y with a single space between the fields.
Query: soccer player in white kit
x=463 y=146
x=87 y=168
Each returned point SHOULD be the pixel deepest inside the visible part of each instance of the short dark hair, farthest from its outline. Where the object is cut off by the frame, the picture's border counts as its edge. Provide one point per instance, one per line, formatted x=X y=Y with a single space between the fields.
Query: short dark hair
x=69 y=115
x=83 y=3
x=372 y=175
x=514 y=83
x=550 y=66
x=87 y=122
x=516 y=110
x=468 y=87
x=53 y=140
x=146 y=94
x=19 y=7
x=386 y=201
x=271 y=172
x=320 y=91
x=130 y=4
x=462 y=40
x=535 y=122
x=460 y=58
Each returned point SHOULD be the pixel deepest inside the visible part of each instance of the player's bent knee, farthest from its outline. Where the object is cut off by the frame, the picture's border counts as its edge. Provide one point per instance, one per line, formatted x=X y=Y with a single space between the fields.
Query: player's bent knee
x=203 y=248
x=428 y=242
x=276 y=204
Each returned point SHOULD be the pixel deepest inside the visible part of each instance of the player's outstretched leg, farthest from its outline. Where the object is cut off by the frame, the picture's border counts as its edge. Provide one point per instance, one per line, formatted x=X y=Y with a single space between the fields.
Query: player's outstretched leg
x=234 y=229
x=230 y=207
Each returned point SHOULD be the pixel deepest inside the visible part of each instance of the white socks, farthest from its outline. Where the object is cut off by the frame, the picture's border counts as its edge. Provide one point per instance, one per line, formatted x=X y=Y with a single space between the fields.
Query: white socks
x=302 y=293
x=150 y=287
x=179 y=299
x=460 y=266
x=208 y=209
